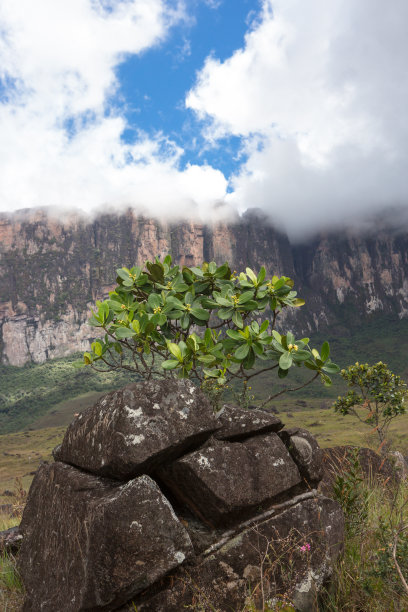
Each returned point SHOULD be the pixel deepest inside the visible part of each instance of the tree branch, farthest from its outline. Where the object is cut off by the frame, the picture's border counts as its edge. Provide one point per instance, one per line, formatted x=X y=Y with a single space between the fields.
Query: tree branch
x=271 y=397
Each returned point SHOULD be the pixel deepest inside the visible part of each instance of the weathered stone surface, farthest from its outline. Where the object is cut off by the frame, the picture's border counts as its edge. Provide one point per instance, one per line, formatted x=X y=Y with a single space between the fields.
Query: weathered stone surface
x=90 y=543
x=336 y=461
x=271 y=557
x=305 y=451
x=132 y=431
x=238 y=424
x=225 y=479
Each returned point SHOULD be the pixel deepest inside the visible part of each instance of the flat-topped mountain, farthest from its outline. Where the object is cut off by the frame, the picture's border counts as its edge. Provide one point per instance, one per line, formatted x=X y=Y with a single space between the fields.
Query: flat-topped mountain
x=52 y=271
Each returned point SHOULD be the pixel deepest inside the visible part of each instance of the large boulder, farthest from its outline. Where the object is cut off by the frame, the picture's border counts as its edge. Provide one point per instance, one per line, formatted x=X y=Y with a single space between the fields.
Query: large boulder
x=90 y=543
x=134 y=430
x=289 y=553
x=226 y=480
x=238 y=423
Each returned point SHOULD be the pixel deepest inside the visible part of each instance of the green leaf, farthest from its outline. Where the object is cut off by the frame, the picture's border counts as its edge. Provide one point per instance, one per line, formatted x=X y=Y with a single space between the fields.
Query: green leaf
x=255 y=327
x=242 y=352
x=225 y=313
x=285 y=361
x=207 y=359
x=154 y=301
x=327 y=380
x=311 y=366
x=87 y=358
x=277 y=346
x=249 y=360
x=232 y=333
x=277 y=336
x=156 y=271
x=222 y=301
x=251 y=275
x=331 y=368
x=200 y=313
x=264 y=326
x=123 y=273
x=97 y=348
x=245 y=297
x=290 y=338
x=124 y=332
x=261 y=275
x=325 y=351
x=298 y=302
x=185 y=321
x=301 y=355
x=170 y=364
x=237 y=319
x=211 y=373
x=175 y=350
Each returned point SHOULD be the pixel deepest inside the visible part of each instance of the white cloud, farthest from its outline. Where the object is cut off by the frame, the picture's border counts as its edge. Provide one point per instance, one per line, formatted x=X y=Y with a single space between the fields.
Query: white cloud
x=319 y=95
x=60 y=140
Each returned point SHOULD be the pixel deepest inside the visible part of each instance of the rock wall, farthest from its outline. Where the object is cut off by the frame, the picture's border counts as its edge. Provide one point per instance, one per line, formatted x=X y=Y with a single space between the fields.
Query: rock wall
x=52 y=271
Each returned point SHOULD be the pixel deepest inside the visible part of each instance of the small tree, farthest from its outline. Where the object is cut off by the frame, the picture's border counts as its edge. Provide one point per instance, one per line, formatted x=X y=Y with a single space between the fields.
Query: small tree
x=203 y=322
x=380 y=397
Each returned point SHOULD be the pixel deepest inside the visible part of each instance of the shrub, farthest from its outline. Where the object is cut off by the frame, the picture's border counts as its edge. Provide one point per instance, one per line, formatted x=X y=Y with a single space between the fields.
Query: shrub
x=380 y=396
x=203 y=322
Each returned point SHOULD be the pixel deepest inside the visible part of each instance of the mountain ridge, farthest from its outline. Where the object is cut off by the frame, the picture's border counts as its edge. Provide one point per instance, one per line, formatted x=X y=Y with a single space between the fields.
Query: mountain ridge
x=52 y=271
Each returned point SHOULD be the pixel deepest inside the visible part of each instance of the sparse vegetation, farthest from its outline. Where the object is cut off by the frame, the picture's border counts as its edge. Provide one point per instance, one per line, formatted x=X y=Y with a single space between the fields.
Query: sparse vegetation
x=380 y=397
x=30 y=392
x=371 y=573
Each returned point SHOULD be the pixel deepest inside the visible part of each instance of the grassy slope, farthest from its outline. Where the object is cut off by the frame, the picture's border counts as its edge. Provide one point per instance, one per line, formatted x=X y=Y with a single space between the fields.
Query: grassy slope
x=41 y=395
x=28 y=393
x=42 y=399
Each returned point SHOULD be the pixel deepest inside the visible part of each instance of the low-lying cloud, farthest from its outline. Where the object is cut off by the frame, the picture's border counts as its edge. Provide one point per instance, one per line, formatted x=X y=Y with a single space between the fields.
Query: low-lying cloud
x=61 y=133
x=317 y=95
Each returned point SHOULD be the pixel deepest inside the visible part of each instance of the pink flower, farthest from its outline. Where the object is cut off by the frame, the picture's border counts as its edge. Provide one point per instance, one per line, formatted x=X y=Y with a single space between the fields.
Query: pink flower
x=305 y=547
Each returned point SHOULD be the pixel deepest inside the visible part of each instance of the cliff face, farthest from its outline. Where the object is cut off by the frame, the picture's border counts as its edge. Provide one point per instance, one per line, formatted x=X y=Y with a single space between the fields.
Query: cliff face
x=51 y=272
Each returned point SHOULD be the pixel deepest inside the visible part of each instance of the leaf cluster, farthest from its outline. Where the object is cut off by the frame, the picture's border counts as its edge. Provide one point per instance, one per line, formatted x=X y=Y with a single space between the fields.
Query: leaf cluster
x=201 y=321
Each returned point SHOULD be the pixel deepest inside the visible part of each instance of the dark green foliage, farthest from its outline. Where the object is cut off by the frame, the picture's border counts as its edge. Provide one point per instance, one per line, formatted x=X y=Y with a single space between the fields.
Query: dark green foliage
x=204 y=322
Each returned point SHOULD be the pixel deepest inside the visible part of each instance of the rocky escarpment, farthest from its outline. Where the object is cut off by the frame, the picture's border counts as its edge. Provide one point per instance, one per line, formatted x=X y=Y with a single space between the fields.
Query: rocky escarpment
x=52 y=271
x=151 y=506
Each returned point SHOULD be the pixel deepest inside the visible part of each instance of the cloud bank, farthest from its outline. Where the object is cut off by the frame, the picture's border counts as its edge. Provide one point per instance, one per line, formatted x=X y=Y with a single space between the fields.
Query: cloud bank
x=61 y=132
x=318 y=95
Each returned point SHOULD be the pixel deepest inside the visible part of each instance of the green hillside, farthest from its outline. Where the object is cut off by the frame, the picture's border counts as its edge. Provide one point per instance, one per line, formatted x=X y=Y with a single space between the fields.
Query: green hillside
x=48 y=394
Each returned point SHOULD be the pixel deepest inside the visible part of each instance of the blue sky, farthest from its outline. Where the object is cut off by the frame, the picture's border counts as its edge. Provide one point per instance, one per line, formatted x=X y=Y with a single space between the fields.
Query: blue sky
x=202 y=108
x=154 y=84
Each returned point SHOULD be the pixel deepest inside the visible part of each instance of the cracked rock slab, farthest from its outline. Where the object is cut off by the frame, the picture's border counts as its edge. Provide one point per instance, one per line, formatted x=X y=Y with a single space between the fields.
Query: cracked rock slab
x=90 y=543
x=224 y=479
x=238 y=423
x=292 y=553
x=132 y=431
